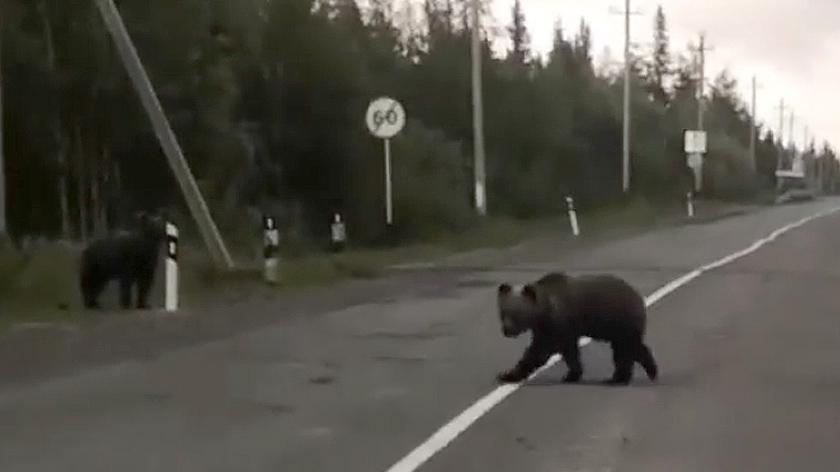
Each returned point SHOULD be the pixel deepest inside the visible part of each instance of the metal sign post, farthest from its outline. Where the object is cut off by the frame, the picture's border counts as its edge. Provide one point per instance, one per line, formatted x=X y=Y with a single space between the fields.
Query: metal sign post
x=385 y=118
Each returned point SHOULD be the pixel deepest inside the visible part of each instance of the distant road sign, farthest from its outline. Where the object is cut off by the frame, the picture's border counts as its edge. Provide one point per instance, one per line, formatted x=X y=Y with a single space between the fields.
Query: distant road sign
x=695 y=141
x=385 y=117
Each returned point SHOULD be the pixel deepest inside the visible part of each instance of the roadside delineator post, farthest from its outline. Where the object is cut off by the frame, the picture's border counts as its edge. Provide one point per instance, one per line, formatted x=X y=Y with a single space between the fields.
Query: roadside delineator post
x=573 y=221
x=171 y=276
x=271 y=242
x=338 y=233
x=689 y=201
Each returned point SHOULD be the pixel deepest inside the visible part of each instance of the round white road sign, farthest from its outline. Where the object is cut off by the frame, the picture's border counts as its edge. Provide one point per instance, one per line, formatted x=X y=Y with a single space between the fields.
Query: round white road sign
x=385 y=117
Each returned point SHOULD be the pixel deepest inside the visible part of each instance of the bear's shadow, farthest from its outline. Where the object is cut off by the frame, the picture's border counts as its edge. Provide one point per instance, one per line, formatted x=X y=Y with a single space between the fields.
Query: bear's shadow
x=590 y=382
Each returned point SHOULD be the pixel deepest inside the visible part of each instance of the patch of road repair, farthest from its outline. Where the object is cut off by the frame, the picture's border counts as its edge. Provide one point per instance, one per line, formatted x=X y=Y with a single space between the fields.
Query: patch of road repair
x=451 y=430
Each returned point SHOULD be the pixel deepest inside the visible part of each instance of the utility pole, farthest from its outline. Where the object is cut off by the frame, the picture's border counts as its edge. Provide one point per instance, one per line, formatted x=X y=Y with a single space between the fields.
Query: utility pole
x=752 y=126
x=820 y=171
x=4 y=227
x=166 y=137
x=702 y=48
x=805 y=132
x=478 y=118
x=806 y=150
x=701 y=64
x=791 y=141
x=625 y=149
x=625 y=146
x=781 y=122
x=807 y=143
x=782 y=150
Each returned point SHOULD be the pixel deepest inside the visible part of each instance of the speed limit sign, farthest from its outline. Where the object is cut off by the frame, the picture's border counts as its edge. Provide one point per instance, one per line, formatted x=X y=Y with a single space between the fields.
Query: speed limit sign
x=385 y=117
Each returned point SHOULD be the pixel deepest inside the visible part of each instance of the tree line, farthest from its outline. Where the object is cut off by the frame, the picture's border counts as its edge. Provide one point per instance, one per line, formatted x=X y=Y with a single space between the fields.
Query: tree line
x=267 y=100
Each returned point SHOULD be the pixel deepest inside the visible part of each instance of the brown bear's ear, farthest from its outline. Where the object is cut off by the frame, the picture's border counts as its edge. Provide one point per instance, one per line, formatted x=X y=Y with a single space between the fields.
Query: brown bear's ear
x=505 y=289
x=530 y=293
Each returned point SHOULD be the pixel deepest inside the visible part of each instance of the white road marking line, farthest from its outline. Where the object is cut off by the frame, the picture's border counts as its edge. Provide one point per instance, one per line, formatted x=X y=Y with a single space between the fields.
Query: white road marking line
x=448 y=432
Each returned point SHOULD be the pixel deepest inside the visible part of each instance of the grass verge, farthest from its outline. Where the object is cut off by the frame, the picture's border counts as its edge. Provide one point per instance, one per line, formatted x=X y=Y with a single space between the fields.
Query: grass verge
x=494 y=233
x=41 y=283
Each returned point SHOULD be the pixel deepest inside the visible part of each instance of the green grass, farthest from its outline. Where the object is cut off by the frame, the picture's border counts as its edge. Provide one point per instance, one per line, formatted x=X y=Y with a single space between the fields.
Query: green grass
x=38 y=285
x=327 y=268
x=41 y=285
x=46 y=273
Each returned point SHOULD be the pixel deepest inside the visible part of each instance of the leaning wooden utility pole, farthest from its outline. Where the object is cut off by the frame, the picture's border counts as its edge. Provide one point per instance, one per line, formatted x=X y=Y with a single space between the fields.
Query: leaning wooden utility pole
x=166 y=138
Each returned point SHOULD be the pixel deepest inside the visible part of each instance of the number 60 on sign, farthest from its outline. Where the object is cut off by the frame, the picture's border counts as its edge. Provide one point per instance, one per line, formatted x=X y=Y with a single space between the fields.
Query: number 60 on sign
x=385 y=117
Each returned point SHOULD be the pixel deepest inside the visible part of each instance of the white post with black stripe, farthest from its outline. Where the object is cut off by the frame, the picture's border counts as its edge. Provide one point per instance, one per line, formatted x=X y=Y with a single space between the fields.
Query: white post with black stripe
x=171 y=293
x=689 y=198
x=573 y=221
x=338 y=233
x=271 y=242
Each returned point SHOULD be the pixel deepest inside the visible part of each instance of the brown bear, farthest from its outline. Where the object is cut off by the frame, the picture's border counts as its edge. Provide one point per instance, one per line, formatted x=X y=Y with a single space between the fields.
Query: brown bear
x=129 y=256
x=559 y=309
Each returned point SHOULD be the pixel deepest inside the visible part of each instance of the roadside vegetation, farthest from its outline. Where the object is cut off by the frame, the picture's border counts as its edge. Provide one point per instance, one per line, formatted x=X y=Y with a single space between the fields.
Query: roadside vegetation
x=268 y=101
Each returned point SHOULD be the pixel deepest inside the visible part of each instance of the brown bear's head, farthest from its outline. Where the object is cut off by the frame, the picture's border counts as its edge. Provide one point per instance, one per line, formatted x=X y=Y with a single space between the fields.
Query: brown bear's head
x=151 y=226
x=519 y=308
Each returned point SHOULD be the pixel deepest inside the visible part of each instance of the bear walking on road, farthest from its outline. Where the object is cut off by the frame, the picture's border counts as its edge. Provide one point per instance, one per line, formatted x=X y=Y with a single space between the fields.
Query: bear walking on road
x=128 y=256
x=559 y=309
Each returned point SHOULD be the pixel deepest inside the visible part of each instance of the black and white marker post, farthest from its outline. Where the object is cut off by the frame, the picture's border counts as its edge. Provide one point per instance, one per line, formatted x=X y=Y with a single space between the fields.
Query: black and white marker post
x=689 y=201
x=338 y=233
x=385 y=117
x=171 y=293
x=573 y=221
x=271 y=242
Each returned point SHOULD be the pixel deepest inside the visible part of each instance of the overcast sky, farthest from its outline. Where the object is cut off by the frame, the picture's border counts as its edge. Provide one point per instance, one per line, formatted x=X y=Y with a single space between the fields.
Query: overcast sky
x=792 y=46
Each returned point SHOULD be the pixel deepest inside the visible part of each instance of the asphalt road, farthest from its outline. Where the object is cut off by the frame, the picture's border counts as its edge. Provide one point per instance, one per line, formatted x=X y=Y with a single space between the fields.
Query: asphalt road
x=749 y=356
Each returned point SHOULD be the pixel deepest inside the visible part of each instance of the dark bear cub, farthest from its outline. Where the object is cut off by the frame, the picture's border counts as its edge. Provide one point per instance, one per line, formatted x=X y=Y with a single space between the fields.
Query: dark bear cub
x=129 y=256
x=559 y=309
